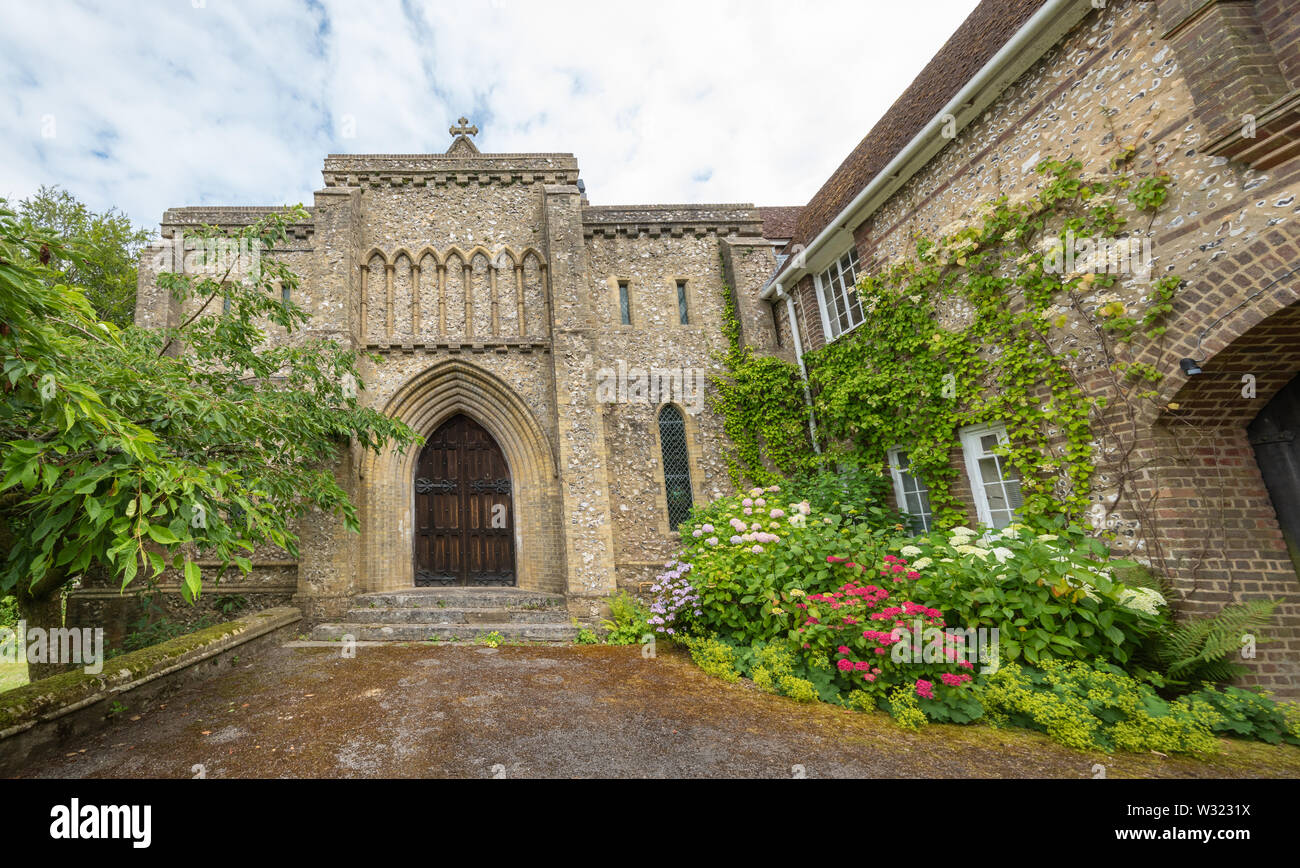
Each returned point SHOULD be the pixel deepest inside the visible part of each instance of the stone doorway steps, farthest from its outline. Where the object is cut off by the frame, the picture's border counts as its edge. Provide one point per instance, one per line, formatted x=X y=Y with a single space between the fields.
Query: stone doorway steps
x=448 y=614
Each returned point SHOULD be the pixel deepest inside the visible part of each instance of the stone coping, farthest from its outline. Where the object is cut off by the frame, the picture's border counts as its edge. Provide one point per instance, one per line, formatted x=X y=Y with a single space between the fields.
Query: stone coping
x=50 y=699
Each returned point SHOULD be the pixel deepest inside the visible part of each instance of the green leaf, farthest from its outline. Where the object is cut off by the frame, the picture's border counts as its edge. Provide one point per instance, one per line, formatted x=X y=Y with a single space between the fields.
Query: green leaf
x=193 y=580
x=162 y=535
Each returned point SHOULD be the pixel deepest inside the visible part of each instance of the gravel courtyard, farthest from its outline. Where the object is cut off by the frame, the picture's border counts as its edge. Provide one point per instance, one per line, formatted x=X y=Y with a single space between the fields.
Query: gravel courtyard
x=466 y=711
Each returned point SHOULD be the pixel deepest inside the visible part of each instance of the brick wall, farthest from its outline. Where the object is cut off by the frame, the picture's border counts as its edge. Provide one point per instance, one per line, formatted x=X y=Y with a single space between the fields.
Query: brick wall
x=1228 y=229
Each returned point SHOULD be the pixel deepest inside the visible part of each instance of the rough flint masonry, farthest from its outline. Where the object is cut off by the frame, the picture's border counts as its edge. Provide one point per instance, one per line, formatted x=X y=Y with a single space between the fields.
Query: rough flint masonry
x=76 y=820
x=632 y=385
x=78 y=647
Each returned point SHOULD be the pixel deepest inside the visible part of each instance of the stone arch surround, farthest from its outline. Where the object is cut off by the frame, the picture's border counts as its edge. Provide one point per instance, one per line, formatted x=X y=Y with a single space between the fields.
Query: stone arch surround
x=424 y=402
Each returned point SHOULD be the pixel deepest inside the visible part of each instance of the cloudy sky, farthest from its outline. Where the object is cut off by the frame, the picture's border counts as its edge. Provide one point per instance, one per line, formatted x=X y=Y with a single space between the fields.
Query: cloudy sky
x=146 y=105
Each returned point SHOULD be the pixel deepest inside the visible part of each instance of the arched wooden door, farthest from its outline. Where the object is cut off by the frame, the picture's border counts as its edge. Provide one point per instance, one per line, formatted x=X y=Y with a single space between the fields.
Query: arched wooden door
x=464 y=514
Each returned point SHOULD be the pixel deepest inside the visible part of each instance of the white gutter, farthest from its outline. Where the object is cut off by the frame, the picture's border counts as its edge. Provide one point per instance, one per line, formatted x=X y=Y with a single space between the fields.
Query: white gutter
x=1042 y=31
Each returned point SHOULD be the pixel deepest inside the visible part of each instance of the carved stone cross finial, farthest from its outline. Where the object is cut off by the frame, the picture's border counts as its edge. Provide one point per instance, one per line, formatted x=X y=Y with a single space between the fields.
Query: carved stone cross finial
x=464 y=129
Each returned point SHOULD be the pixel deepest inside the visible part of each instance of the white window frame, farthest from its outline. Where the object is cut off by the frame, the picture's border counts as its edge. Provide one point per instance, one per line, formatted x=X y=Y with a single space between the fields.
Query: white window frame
x=843 y=270
x=900 y=491
x=973 y=452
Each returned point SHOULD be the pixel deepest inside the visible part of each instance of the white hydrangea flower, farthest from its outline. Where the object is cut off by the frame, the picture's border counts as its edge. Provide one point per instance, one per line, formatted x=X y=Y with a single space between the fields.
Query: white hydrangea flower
x=1142 y=600
x=909 y=551
x=922 y=563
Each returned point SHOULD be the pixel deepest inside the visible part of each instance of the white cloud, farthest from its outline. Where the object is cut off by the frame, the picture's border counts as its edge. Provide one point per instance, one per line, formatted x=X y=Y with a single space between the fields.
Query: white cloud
x=161 y=104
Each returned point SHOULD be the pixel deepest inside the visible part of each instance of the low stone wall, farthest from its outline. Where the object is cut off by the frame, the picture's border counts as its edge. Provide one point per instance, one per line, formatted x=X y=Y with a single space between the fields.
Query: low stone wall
x=48 y=715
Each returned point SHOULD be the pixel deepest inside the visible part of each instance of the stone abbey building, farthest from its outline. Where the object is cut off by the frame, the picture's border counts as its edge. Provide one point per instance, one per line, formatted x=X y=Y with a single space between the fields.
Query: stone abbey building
x=554 y=354
x=501 y=301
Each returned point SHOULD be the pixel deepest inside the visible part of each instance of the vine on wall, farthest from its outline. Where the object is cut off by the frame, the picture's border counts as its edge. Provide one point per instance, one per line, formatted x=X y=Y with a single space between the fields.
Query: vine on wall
x=764 y=413
x=972 y=328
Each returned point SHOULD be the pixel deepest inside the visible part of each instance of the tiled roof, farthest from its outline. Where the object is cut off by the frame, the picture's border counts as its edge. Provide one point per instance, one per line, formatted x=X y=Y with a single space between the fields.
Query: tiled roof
x=973 y=44
x=780 y=222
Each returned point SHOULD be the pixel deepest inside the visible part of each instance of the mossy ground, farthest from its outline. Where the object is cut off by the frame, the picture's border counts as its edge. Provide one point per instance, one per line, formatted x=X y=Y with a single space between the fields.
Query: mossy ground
x=537 y=711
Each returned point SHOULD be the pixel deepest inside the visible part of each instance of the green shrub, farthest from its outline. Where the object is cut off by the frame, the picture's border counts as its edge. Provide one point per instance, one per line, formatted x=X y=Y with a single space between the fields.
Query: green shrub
x=716 y=658
x=586 y=636
x=774 y=670
x=1097 y=707
x=781 y=592
x=858 y=494
x=628 y=621
x=741 y=565
x=1048 y=594
x=9 y=611
x=903 y=705
x=1251 y=714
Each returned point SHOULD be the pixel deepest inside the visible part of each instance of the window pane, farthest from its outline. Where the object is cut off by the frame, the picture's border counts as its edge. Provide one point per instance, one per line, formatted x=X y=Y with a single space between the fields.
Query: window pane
x=1014 y=497
x=681 y=302
x=624 y=305
x=677 y=467
x=913 y=503
x=989 y=470
x=996 y=497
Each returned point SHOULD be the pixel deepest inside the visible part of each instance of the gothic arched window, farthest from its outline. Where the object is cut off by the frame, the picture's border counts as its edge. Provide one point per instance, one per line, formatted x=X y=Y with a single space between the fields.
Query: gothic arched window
x=677 y=466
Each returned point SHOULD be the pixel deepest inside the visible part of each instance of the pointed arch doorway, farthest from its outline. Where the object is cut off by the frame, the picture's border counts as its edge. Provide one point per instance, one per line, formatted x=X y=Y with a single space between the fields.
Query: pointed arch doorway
x=464 y=509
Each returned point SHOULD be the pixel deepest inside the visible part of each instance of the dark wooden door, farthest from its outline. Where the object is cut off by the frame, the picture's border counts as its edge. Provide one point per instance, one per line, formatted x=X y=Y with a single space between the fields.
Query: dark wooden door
x=1275 y=436
x=464 y=524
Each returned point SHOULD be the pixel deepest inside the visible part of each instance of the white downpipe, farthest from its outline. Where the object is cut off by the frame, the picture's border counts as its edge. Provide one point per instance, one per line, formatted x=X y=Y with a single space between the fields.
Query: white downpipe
x=803 y=371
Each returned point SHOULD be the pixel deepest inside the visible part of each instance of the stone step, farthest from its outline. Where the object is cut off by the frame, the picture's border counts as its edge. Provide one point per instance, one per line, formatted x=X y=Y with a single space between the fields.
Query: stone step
x=457 y=615
x=460 y=598
x=511 y=632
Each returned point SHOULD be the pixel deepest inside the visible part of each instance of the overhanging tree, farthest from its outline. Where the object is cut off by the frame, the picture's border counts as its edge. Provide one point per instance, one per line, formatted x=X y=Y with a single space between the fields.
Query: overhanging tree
x=132 y=451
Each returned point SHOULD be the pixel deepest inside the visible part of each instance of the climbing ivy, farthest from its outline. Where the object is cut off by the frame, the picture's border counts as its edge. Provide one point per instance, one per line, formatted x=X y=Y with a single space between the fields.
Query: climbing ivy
x=763 y=408
x=975 y=327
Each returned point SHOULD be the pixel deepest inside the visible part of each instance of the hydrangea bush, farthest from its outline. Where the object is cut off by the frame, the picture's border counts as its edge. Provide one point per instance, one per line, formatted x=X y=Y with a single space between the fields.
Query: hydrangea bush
x=1049 y=594
x=840 y=604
